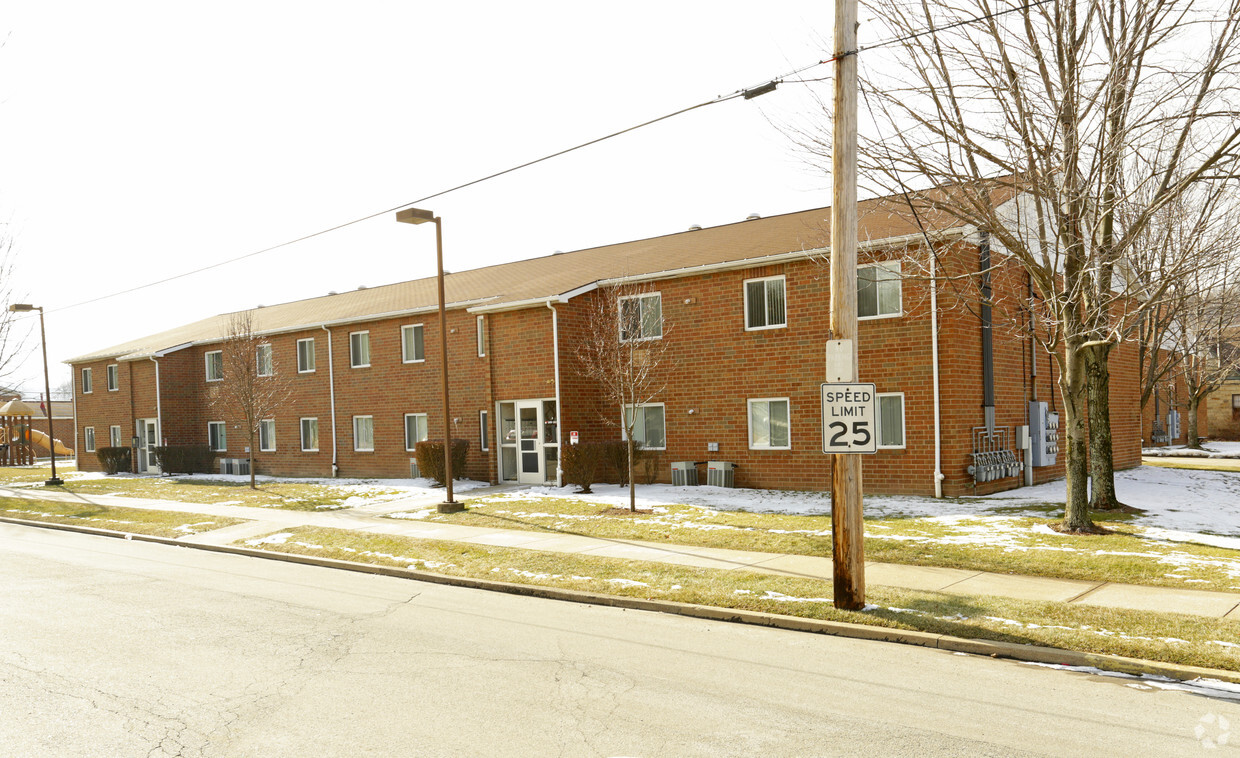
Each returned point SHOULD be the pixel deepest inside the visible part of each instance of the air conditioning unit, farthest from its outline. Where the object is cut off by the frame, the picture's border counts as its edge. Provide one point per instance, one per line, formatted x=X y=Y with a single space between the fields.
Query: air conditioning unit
x=721 y=474
x=234 y=466
x=684 y=474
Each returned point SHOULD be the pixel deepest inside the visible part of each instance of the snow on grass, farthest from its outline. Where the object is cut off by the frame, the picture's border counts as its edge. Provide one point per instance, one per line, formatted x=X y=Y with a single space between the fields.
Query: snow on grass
x=1215 y=449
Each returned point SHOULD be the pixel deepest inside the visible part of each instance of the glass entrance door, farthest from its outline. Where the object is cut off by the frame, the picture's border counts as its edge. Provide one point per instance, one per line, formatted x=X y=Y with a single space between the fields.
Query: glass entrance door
x=148 y=440
x=529 y=454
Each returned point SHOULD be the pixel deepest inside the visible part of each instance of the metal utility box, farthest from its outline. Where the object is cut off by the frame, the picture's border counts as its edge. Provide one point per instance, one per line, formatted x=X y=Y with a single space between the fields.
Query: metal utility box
x=414 y=473
x=1173 y=426
x=721 y=473
x=1043 y=434
x=684 y=474
x=234 y=465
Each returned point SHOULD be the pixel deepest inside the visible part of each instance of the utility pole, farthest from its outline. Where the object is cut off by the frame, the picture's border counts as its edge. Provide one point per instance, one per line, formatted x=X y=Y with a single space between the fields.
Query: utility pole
x=848 y=528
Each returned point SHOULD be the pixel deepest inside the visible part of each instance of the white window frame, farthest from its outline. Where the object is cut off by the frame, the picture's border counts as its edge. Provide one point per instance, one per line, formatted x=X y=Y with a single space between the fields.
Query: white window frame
x=481 y=335
x=624 y=424
x=749 y=421
x=404 y=353
x=353 y=349
x=114 y=377
x=88 y=435
x=310 y=354
x=88 y=381
x=765 y=303
x=878 y=421
x=425 y=425
x=221 y=438
x=270 y=447
x=356 y=440
x=258 y=360
x=641 y=319
x=484 y=440
x=899 y=283
x=114 y=436
x=207 y=358
x=301 y=425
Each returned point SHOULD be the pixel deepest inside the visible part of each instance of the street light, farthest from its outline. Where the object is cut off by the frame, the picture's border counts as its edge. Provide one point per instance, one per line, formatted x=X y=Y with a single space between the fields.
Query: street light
x=55 y=481
x=418 y=216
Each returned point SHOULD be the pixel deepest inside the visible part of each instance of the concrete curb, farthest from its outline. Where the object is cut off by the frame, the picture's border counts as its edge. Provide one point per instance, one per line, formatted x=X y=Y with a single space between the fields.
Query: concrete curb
x=1010 y=650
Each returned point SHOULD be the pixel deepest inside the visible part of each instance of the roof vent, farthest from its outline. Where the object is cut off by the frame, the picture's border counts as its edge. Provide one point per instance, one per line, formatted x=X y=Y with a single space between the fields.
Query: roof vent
x=558 y=252
x=331 y=292
x=695 y=228
x=260 y=305
x=361 y=286
x=753 y=216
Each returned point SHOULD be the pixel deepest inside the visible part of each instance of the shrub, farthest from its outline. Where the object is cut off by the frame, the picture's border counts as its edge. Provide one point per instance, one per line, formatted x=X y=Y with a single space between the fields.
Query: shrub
x=115 y=459
x=616 y=455
x=646 y=467
x=581 y=464
x=429 y=455
x=184 y=459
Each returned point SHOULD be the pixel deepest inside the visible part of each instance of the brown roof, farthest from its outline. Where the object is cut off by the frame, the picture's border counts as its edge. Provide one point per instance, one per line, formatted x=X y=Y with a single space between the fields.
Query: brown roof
x=518 y=283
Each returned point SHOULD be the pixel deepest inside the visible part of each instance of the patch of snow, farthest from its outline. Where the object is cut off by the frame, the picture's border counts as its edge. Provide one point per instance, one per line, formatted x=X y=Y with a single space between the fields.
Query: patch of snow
x=272 y=539
x=628 y=583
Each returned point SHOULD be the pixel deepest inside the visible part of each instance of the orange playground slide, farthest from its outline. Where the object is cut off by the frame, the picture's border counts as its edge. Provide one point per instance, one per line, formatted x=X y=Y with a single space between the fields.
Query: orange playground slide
x=47 y=443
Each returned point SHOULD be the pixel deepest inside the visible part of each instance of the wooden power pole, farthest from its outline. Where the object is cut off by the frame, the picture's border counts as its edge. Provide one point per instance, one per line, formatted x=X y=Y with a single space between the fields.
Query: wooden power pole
x=848 y=528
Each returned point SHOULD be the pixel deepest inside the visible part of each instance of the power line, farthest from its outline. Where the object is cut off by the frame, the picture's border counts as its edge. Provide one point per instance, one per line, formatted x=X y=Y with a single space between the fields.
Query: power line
x=747 y=94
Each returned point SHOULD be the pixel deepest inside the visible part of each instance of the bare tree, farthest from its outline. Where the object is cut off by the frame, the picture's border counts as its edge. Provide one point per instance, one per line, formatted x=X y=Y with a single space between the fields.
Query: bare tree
x=1043 y=122
x=15 y=329
x=252 y=388
x=624 y=350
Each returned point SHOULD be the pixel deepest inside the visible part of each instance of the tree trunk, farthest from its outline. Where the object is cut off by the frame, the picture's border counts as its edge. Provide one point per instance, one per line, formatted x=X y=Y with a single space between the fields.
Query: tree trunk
x=1072 y=385
x=1193 y=441
x=632 y=484
x=253 y=486
x=1101 y=454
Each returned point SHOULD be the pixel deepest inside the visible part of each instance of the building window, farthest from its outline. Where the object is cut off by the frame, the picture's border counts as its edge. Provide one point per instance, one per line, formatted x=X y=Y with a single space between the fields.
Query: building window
x=265 y=364
x=1235 y=407
x=482 y=335
x=878 y=290
x=768 y=424
x=89 y=434
x=217 y=436
x=305 y=356
x=415 y=429
x=649 y=430
x=764 y=303
x=891 y=419
x=114 y=378
x=484 y=433
x=359 y=349
x=215 y=365
x=309 y=435
x=267 y=435
x=114 y=436
x=641 y=317
x=364 y=434
x=411 y=347
x=87 y=382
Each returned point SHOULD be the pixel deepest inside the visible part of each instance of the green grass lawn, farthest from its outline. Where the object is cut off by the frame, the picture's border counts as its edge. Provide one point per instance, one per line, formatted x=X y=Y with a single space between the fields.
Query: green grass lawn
x=133 y=520
x=1002 y=544
x=1163 y=637
x=289 y=494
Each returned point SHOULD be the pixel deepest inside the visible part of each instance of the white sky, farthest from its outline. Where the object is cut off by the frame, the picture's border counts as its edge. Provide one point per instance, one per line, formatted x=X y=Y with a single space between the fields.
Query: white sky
x=139 y=140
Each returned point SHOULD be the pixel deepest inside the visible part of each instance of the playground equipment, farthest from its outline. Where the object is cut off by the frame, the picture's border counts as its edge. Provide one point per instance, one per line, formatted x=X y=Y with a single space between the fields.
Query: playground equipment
x=18 y=439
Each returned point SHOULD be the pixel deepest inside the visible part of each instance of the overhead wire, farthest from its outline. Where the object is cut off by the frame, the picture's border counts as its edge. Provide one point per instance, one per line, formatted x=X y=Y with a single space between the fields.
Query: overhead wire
x=747 y=93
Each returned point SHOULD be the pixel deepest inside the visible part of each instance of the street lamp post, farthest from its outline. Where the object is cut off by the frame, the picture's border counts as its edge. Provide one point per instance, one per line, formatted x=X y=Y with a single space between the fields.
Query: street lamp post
x=55 y=481
x=418 y=216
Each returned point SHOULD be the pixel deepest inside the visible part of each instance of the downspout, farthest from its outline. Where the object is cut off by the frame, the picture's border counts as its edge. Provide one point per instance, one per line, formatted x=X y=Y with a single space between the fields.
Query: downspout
x=1033 y=371
x=934 y=367
x=331 y=393
x=76 y=449
x=559 y=427
x=988 y=345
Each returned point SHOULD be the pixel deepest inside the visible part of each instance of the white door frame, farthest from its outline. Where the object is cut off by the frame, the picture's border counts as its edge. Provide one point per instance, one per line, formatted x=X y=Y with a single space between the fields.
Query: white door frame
x=148 y=437
x=530 y=442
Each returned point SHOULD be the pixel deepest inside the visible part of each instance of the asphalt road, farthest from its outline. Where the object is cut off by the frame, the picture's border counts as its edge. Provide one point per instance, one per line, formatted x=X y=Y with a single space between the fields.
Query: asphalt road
x=118 y=648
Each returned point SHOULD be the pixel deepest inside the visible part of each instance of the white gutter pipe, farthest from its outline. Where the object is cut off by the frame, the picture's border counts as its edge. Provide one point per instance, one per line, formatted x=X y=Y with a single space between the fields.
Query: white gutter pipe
x=559 y=421
x=934 y=366
x=331 y=393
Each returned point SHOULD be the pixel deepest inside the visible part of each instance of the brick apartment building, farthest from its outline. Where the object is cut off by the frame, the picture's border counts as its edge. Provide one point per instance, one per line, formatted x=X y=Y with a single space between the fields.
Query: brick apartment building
x=744 y=308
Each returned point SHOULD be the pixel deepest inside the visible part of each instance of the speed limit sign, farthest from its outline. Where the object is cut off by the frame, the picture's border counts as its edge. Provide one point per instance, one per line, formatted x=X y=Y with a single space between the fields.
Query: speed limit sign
x=849 y=418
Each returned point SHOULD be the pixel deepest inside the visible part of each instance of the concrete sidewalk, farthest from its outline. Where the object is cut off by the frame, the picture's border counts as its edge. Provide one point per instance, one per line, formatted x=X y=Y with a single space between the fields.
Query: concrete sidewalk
x=370 y=518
